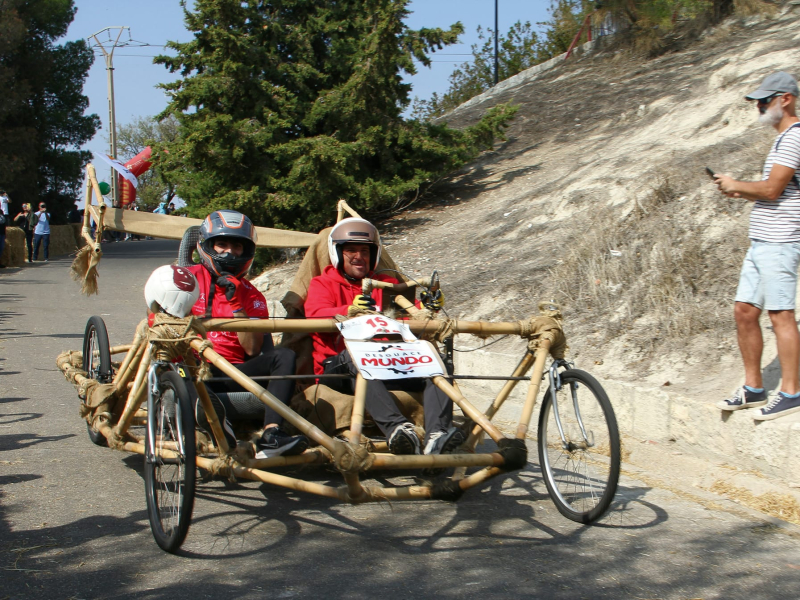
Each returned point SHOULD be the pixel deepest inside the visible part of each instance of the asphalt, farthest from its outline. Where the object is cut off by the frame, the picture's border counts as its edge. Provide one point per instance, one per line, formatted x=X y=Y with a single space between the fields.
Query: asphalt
x=73 y=522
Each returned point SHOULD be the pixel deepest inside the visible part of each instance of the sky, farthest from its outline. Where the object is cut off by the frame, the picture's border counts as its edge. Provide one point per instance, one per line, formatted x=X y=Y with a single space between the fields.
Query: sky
x=154 y=22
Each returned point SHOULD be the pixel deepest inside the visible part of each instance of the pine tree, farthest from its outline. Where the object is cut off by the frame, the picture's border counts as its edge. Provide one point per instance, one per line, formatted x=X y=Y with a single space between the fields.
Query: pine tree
x=42 y=106
x=285 y=106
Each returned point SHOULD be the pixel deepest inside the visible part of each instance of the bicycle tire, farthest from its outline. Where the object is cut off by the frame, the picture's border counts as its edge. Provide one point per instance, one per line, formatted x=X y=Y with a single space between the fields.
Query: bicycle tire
x=188 y=246
x=95 y=340
x=582 y=478
x=169 y=481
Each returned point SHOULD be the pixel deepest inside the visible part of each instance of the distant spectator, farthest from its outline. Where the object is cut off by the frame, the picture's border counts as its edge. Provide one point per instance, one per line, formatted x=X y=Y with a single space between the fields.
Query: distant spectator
x=3 y=222
x=74 y=216
x=171 y=208
x=41 y=232
x=162 y=209
x=25 y=220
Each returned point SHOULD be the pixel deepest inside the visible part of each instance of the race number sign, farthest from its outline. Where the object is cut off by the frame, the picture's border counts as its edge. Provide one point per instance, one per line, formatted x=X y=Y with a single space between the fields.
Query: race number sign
x=367 y=327
x=395 y=360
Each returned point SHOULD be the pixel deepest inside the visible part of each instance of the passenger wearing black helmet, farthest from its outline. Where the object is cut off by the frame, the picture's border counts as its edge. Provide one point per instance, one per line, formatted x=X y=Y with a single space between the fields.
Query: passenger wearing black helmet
x=227 y=246
x=354 y=247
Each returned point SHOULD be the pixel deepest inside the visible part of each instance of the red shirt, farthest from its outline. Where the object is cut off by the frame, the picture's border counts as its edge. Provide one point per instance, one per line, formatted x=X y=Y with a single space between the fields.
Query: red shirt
x=226 y=343
x=331 y=294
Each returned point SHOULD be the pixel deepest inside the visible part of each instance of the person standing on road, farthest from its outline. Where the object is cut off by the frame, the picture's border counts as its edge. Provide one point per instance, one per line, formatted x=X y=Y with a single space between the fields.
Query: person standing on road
x=25 y=221
x=3 y=222
x=768 y=280
x=41 y=232
x=227 y=247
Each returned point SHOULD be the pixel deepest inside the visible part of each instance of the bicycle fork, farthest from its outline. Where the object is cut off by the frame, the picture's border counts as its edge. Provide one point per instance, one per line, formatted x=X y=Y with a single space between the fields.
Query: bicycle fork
x=555 y=386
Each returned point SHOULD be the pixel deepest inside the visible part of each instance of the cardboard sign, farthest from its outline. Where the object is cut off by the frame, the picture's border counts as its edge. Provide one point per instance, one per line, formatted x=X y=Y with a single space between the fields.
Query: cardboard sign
x=367 y=327
x=395 y=360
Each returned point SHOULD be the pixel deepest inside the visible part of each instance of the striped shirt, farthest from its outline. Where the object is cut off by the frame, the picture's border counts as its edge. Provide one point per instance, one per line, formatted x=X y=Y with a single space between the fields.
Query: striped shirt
x=779 y=221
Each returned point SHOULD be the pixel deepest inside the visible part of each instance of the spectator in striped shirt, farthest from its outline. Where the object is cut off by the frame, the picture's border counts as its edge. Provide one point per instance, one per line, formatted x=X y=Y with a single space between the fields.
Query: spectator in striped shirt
x=769 y=275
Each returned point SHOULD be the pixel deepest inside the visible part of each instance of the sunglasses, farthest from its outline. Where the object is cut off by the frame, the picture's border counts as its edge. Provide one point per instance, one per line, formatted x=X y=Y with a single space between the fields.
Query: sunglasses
x=768 y=99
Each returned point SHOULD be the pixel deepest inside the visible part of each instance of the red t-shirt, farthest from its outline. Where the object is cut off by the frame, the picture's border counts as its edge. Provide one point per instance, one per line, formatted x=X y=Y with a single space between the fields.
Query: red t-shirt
x=226 y=343
x=331 y=294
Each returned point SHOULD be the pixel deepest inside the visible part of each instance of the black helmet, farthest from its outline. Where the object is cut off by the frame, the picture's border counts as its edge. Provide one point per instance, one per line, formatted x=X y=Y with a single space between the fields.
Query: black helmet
x=227 y=224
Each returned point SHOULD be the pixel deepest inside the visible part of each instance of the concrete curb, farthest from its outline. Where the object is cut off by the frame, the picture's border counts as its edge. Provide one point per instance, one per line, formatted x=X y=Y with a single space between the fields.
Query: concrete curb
x=661 y=415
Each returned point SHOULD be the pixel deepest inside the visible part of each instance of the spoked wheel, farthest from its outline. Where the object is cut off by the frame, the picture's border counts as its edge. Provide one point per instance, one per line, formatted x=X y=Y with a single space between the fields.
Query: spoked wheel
x=97 y=362
x=169 y=466
x=581 y=470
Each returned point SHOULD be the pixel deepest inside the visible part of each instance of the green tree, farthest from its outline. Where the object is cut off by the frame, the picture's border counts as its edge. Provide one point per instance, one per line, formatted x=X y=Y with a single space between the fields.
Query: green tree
x=134 y=137
x=42 y=106
x=518 y=50
x=288 y=105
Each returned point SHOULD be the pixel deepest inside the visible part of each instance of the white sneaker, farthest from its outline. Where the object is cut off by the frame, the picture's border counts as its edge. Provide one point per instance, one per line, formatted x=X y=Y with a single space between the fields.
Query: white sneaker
x=444 y=442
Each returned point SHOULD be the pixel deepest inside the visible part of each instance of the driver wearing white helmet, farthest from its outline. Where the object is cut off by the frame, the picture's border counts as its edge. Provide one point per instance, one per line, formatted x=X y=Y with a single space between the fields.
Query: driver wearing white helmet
x=354 y=247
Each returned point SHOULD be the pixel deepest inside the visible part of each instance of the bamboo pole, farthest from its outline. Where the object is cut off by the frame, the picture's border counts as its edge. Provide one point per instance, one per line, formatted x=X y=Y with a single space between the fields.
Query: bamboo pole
x=126 y=371
x=480 y=328
x=479 y=477
x=468 y=409
x=357 y=418
x=306 y=458
x=136 y=396
x=342 y=207
x=476 y=434
x=120 y=349
x=428 y=461
x=309 y=430
x=533 y=389
x=211 y=415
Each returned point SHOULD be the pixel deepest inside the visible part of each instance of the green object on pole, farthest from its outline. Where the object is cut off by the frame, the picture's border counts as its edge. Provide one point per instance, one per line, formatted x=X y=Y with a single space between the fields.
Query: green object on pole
x=104 y=188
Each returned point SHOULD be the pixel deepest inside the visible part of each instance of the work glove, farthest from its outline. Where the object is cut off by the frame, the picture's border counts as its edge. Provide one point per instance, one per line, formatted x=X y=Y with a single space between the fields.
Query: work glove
x=432 y=300
x=233 y=290
x=362 y=302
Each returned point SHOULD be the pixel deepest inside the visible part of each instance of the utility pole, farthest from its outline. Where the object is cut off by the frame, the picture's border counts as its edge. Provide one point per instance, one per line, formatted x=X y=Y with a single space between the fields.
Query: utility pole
x=496 y=36
x=112 y=122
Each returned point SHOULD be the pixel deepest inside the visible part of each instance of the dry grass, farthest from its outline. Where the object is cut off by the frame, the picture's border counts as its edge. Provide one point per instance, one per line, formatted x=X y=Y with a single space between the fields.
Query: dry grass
x=782 y=506
x=651 y=274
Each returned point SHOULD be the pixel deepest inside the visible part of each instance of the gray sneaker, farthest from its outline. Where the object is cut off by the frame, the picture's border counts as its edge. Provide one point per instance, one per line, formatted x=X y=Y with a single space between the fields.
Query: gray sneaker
x=444 y=442
x=778 y=406
x=404 y=440
x=743 y=398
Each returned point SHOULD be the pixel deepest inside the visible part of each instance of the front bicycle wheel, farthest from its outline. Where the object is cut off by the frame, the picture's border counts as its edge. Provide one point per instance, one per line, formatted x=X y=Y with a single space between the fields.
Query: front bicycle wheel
x=169 y=466
x=580 y=468
x=96 y=363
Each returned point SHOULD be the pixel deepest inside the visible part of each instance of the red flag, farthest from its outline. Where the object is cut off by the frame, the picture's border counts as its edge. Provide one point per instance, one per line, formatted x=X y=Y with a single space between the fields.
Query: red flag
x=137 y=165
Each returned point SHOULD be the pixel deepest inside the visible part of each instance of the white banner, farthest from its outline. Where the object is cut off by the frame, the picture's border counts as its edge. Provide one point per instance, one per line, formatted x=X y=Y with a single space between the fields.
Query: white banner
x=118 y=167
x=395 y=360
x=367 y=327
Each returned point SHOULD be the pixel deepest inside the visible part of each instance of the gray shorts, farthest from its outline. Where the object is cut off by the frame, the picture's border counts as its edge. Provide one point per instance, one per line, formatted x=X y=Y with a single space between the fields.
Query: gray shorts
x=769 y=275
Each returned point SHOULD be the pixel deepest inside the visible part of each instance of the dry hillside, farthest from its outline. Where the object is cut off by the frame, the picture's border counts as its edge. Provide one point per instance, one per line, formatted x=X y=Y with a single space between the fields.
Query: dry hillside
x=598 y=200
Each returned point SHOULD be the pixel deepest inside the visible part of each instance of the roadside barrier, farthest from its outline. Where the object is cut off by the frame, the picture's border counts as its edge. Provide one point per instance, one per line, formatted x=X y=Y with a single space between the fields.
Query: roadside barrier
x=64 y=239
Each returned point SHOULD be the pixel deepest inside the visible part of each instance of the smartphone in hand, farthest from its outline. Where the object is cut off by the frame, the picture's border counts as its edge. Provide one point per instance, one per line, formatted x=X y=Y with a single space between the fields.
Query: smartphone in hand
x=710 y=174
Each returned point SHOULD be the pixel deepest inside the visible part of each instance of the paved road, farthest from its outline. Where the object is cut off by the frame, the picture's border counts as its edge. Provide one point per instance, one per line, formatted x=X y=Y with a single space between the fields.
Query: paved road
x=73 y=521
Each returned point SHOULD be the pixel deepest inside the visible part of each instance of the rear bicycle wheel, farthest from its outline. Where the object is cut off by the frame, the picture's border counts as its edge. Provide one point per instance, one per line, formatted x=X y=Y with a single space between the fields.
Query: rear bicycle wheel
x=96 y=363
x=581 y=470
x=169 y=465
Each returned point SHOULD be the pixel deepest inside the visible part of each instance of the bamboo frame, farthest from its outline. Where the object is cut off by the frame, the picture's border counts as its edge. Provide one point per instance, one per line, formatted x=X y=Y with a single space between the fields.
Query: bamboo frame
x=350 y=457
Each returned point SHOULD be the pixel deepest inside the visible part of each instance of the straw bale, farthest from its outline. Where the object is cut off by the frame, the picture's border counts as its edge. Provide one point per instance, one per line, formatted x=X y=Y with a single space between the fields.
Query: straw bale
x=331 y=411
x=14 y=252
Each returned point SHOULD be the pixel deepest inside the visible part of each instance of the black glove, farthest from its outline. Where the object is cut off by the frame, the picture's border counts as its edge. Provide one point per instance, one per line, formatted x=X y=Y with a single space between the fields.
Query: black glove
x=364 y=302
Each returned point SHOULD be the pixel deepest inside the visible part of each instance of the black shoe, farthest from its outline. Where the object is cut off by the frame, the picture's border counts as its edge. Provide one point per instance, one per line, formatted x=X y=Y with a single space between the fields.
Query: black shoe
x=275 y=442
x=444 y=442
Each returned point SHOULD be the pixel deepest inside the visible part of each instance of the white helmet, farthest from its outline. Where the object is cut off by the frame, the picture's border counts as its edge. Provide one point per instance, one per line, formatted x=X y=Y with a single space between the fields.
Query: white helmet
x=172 y=290
x=354 y=231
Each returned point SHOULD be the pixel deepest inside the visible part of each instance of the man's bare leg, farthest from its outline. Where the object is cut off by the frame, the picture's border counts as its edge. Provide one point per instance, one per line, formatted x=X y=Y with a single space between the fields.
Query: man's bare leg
x=751 y=341
x=788 y=342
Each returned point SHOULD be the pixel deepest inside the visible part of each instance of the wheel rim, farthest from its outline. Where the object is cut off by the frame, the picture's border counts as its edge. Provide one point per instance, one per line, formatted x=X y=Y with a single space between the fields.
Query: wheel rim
x=581 y=473
x=168 y=471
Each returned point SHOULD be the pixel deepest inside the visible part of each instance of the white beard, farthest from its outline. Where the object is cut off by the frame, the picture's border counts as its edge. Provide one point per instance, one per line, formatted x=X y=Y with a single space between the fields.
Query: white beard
x=772 y=116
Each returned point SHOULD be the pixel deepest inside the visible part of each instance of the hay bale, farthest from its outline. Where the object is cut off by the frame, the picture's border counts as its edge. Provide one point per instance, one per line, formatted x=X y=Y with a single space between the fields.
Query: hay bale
x=14 y=252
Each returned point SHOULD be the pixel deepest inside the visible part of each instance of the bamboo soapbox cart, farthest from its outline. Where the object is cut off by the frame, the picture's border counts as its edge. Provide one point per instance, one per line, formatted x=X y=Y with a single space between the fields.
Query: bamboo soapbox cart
x=143 y=403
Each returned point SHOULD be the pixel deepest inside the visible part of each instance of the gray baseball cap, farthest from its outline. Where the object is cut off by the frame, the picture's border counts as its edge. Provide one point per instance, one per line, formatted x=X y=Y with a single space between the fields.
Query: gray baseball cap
x=777 y=83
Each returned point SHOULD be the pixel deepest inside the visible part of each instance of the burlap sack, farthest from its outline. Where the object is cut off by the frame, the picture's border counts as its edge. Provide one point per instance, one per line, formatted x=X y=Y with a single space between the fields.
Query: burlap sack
x=331 y=411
